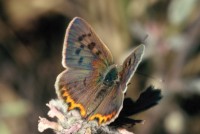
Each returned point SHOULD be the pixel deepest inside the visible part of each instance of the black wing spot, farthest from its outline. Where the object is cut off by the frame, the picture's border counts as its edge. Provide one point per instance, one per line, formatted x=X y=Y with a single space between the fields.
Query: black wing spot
x=78 y=51
x=80 y=38
x=84 y=35
x=129 y=62
x=80 y=60
x=91 y=45
x=98 y=53
x=89 y=34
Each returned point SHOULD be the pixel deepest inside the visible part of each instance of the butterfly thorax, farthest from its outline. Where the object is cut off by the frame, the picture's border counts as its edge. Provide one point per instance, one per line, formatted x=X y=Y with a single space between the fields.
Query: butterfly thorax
x=111 y=76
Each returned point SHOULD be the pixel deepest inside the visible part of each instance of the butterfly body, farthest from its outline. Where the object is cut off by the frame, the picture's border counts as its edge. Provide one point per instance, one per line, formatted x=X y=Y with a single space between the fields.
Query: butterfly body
x=92 y=83
x=111 y=76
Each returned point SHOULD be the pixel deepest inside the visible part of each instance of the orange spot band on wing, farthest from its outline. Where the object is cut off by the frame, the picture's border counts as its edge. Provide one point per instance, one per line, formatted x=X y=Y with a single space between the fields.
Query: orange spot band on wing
x=72 y=104
x=102 y=118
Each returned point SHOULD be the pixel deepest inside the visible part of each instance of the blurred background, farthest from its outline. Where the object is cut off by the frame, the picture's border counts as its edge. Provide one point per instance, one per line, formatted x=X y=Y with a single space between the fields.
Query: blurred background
x=31 y=40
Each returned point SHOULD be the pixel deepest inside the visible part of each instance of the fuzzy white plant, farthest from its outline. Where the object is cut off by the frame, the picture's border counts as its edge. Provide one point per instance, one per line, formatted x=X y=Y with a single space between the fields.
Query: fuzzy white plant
x=72 y=123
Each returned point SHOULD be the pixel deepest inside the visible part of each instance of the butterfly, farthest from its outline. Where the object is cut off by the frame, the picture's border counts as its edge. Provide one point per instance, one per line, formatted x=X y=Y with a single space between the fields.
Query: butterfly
x=92 y=83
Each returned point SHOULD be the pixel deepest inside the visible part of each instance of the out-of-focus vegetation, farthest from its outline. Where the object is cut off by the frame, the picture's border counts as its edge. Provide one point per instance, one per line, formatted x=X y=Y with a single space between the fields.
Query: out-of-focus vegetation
x=31 y=37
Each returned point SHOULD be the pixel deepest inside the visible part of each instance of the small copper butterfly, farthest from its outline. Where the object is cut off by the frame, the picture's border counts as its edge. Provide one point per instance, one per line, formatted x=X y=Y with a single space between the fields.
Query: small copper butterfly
x=92 y=83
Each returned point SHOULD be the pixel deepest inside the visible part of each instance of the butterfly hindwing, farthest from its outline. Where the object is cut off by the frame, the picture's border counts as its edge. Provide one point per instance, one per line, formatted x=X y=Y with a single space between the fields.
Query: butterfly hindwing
x=130 y=65
x=76 y=88
x=110 y=106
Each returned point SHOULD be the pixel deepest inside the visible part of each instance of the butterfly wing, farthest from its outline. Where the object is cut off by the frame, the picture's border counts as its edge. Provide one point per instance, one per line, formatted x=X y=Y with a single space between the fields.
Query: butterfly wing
x=85 y=58
x=130 y=65
x=77 y=88
x=112 y=104
x=82 y=47
x=110 y=107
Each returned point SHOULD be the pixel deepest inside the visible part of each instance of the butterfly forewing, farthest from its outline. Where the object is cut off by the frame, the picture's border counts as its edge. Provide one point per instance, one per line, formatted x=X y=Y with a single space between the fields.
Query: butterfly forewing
x=83 y=49
x=130 y=65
